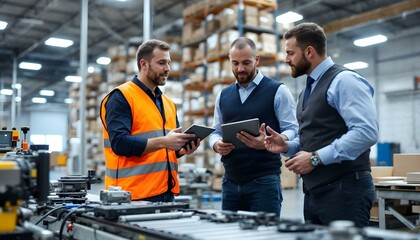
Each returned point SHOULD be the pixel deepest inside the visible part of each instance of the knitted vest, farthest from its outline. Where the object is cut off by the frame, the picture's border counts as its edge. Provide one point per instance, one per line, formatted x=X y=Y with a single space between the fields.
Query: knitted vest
x=243 y=165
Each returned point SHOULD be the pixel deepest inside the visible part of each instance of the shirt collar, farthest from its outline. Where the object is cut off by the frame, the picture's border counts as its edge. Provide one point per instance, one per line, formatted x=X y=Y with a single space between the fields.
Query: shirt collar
x=157 y=94
x=321 y=68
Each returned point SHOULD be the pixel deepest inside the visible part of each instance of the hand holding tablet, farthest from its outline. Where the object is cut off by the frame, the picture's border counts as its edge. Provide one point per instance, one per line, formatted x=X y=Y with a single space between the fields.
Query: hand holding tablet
x=229 y=131
x=200 y=132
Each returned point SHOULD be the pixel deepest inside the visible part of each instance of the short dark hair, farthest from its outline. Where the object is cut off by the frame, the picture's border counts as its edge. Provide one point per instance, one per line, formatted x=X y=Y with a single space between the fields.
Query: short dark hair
x=145 y=50
x=242 y=42
x=309 y=34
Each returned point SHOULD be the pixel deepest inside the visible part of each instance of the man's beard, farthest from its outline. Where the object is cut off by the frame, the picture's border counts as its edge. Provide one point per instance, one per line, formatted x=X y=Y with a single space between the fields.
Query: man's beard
x=248 y=77
x=157 y=78
x=301 y=67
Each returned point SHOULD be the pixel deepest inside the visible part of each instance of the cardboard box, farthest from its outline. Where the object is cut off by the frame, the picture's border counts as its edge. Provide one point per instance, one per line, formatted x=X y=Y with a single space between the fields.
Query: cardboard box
x=266 y=19
x=404 y=163
x=374 y=211
x=288 y=178
x=251 y=20
x=54 y=158
x=415 y=209
x=382 y=171
x=217 y=184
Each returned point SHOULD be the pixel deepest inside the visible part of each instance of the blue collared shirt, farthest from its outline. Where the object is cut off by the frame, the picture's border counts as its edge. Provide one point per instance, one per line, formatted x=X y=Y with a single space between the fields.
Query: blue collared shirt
x=119 y=121
x=352 y=96
x=284 y=104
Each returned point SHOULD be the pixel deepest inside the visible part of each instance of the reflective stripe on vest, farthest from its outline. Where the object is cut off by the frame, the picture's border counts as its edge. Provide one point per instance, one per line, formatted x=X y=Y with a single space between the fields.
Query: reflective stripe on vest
x=146 y=175
x=142 y=169
x=151 y=134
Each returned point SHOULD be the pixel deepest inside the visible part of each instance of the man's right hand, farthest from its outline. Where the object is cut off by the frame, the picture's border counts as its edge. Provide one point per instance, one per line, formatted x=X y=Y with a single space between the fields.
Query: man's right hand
x=175 y=139
x=223 y=148
x=275 y=142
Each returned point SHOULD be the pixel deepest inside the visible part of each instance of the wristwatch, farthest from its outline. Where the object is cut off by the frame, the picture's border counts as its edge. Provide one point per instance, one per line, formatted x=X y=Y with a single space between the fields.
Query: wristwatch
x=315 y=160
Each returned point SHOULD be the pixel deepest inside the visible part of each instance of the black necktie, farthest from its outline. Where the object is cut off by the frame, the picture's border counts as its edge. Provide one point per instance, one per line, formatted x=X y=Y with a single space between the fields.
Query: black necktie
x=309 y=82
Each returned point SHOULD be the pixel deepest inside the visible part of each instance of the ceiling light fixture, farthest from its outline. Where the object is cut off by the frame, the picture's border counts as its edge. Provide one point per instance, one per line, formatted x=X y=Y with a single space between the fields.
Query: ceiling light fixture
x=6 y=91
x=289 y=17
x=356 y=65
x=39 y=100
x=91 y=69
x=75 y=79
x=48 y=93
x=3 y=25
x=58 y=42
x=68 y=100
x=103 y=60
x=30 y=66
x=364 y=42
x=17 y=86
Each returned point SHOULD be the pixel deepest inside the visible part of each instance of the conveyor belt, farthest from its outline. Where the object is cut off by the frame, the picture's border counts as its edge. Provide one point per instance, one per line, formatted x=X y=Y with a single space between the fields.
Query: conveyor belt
x=202 y=229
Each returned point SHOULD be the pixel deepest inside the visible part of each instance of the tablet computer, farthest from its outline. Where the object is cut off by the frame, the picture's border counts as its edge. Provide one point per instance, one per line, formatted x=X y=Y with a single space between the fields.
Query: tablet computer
x=229 y=130
x=200 y=131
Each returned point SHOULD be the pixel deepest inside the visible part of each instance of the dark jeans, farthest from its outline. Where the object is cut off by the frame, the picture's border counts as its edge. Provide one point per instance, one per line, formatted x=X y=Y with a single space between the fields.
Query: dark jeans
x=164 y=197
x=348 y=198
x=261 y=194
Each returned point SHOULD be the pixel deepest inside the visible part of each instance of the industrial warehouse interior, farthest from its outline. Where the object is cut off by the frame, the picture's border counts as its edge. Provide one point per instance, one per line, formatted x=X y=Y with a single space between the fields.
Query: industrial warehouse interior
x=59 y=60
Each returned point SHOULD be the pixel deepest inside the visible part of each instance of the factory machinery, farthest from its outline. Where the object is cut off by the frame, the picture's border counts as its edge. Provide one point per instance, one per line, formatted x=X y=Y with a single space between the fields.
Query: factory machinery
x=33 y=208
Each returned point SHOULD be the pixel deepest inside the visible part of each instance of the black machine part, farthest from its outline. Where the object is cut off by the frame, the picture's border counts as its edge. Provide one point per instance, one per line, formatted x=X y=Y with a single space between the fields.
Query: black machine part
x=35 y=177
x=76 y=185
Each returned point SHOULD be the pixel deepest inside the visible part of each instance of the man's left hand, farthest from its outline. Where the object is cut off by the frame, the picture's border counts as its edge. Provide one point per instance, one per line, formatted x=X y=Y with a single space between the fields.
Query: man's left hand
x=252 y=141
x=190 y=148
x=300 y=163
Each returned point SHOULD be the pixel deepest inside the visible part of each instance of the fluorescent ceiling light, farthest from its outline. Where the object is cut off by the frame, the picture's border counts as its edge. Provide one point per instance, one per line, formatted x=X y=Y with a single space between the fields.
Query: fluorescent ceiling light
x=48 y=93
x=58 y=42
x=103 y=60
x=75 y=79
x=91 y=69
x=6 y=91
x=39 y=100
x=363 y=42
x=356 y=65
x=68 y=100
x=289 y=17
x=30 y=66
x=17 y=86
x=18 y=99
x=3 y=25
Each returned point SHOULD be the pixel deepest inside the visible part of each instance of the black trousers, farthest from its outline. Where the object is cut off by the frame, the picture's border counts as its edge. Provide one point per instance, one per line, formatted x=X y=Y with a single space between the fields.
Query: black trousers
x=348 y=198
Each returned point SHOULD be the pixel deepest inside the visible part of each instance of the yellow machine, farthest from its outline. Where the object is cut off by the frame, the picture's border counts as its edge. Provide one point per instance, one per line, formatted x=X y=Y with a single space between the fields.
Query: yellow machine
x=24 y=175
x=9 y=179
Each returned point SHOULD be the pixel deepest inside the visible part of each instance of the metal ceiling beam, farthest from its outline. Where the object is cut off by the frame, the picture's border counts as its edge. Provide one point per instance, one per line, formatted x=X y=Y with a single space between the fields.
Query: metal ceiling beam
x=380 y=13
x=37 y=44
x=134 y=21
x=106 y=27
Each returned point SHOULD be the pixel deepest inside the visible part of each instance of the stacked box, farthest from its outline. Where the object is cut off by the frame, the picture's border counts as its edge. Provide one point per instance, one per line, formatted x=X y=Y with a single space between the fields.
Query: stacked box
x=213 y=45
x=213 y=71
x=268 y=42
x=266 y=19
x=226 y=69
x=226 y=38
x=406 y=162
x=229 y=16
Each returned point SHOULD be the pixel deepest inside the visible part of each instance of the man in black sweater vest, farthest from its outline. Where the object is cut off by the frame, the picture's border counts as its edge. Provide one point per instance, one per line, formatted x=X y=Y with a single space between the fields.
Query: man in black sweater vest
x=252 y=174
x=337 y=126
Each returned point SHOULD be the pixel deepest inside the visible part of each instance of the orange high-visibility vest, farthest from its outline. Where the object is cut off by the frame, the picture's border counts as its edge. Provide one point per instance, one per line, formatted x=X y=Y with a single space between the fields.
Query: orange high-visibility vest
x=146 y=175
